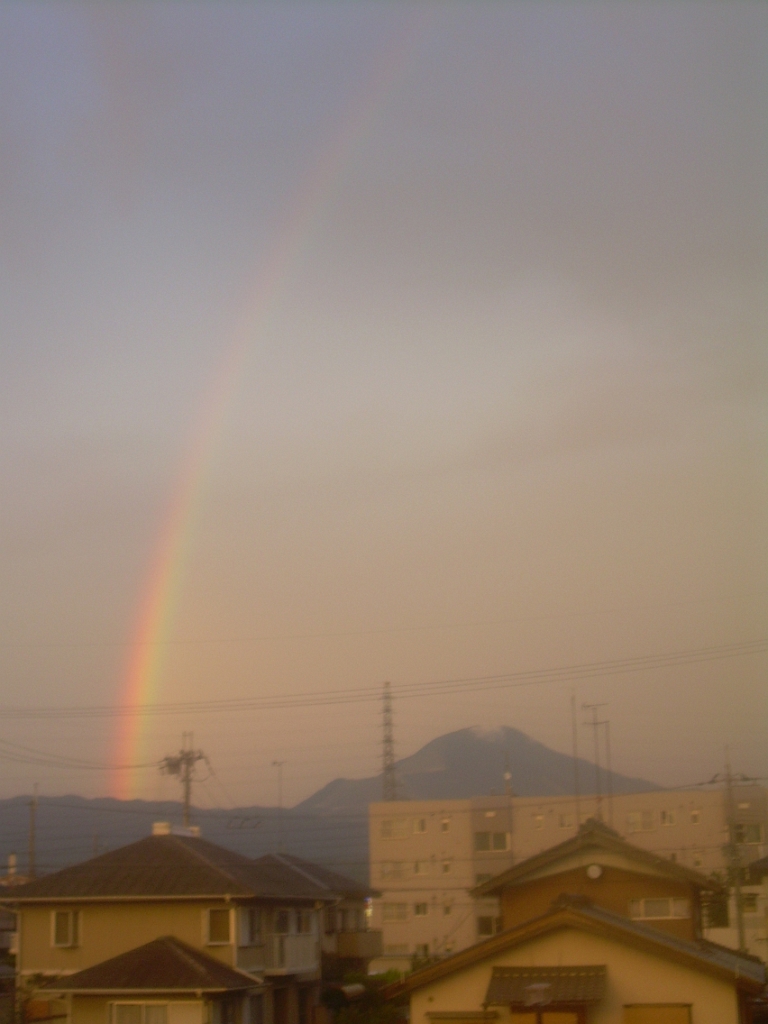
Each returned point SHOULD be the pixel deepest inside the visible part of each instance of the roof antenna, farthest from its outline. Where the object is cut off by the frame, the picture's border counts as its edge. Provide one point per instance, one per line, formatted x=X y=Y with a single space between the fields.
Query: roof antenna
x=389 y=777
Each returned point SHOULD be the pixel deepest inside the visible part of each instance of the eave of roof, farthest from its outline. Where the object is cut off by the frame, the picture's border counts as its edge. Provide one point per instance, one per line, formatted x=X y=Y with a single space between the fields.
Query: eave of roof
x=745 y=972
x=594 y=835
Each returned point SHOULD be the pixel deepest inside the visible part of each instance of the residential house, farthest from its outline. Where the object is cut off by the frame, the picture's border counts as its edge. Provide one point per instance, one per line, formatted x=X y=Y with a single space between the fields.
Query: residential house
x=173 y=930
x=595 y=930
x=754 y=913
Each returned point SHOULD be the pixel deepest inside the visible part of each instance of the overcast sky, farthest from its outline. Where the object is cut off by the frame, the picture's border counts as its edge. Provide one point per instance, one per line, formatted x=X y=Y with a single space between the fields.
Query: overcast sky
x=498 y=277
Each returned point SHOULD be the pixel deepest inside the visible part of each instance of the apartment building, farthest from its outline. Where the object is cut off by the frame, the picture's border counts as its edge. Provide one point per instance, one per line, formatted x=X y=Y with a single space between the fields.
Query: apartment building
x=426 y=855
x=425 y=858
x=689 y=826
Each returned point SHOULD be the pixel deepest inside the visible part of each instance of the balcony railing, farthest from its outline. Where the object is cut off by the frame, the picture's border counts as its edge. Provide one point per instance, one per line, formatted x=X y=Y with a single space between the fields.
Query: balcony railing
x=291 y=954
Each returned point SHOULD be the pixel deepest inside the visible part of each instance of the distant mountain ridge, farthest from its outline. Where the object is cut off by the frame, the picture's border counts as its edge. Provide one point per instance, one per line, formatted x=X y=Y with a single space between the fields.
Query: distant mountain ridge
x=467 y=763
x=329 y=828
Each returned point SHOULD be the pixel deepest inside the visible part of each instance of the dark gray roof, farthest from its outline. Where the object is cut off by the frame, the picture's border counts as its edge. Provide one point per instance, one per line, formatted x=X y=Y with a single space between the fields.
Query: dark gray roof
x=175 y=866
x=526 y=986
x=163 y=965
x=738 y=964
x=334 y=883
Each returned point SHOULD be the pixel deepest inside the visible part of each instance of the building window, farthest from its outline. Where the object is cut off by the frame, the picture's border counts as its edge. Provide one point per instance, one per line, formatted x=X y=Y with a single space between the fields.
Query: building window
x=419 y=825
x=218 y=927
x=281 y=922
x=749 y=902
x=748 y=834
x=446 y=867
x=395 y=911
x=488 y=926
x=395 y=828
x=659 y=909
x=446 y=910
x=304 y=922
x=445 y=825
x=391 y=869
x=139 y=1013
x=421 y=867
x=483 y=877
x=716 y=912
x=487 y=841
x=667 y=817
x=696 y=817
x=538 y=821
x=66 y=928
x=565 y=820
x=640 y=821
x=330 y=921
x=420 y=909
x=250 y=926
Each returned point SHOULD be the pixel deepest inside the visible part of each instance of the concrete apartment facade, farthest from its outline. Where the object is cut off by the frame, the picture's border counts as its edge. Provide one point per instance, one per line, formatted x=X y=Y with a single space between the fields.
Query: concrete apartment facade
x=427 y=855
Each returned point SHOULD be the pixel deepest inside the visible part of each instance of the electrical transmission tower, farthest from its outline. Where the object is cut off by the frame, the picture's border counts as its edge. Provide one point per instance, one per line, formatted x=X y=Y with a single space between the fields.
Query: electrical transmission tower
x=389 y=778
x=183 y=765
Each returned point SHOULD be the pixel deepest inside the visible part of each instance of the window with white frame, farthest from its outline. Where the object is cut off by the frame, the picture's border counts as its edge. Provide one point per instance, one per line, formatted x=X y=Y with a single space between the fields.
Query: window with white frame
x=395 y=828
x=659 y=908
x=65 y=928
x=250 y=926
x=139 y=1013
x=392 y=869
x=219 y=933
x=395 y=911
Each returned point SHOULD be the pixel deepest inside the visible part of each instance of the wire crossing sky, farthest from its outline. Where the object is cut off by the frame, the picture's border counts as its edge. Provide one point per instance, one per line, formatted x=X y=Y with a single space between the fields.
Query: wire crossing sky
x=345 y=343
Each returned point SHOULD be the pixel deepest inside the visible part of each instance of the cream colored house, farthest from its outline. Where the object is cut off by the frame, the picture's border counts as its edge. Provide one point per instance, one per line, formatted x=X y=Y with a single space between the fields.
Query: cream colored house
x=175 y=930
x=580 y=964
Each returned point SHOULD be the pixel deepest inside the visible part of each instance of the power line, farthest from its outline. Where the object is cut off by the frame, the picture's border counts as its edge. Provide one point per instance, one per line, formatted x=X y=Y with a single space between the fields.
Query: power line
x=360 y=694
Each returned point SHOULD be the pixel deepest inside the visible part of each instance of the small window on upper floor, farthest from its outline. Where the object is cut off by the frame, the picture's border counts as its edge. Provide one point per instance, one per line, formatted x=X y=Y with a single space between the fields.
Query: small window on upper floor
x=667 y=817
x=445 y=825
x=421 y=867
x=482 y=842
x=749 y=902
x=281 y=922
x=500 y=841
x=695 y=816
x=218 y=927
x=446 y=867
x=419 y=825
x=395 y=911
x=66 y=928
x=660 y=908
x=250 y=926
x=538 y=821
x=420 y=909
x=395 y=828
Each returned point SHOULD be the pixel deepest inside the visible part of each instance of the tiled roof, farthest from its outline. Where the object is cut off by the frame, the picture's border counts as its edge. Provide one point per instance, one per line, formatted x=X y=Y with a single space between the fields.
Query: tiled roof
x=175 y=866
x=594 y=835
x=164 y=965
x=338 y=885
x=526 y=986
x=579 y=914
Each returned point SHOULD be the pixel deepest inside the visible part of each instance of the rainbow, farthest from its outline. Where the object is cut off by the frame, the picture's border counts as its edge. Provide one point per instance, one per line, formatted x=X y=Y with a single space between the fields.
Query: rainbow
x=144 y=672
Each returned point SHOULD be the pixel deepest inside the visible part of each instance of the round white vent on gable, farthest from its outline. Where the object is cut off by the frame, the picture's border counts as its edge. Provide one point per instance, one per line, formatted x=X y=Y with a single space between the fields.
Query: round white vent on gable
x=594 y=871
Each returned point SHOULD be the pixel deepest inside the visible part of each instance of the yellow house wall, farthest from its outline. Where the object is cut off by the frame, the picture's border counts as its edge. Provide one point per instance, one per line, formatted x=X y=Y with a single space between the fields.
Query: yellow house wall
x=95 y=1009
x=633 y=977
x=108 y=929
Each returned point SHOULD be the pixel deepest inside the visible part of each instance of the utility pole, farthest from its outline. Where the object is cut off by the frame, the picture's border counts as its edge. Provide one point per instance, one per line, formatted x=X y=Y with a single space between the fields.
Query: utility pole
x=734 y=854
x=183 y=765
x=32 y=833
x=279 y=766
x=574 y=731
x=609 y=775
x=595 y=724
x=389 y=778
